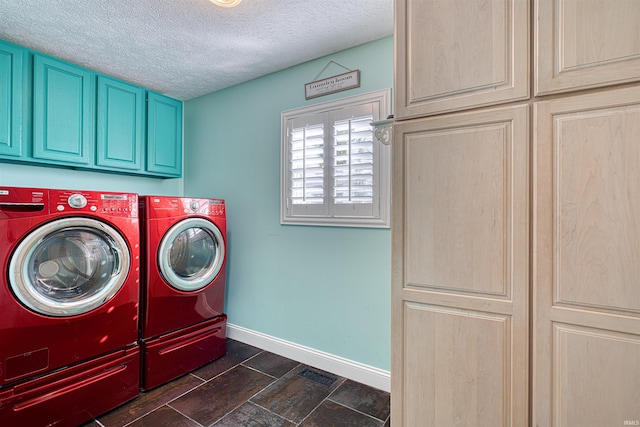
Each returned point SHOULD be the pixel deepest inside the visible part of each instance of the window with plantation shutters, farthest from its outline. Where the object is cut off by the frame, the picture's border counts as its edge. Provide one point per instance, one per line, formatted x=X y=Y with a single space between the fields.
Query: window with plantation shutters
x=334 y=171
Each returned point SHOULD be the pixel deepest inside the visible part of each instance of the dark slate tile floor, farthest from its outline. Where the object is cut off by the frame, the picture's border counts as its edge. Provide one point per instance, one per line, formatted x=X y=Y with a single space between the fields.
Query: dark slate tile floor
x=254 y=388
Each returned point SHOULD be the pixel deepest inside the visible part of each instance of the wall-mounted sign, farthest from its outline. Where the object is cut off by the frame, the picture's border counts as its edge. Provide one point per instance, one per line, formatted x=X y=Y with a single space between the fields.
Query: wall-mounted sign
x=332 y=84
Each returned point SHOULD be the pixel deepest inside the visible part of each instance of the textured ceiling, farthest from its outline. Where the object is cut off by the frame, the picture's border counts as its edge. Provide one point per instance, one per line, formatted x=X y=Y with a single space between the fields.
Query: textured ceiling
x=188 y=48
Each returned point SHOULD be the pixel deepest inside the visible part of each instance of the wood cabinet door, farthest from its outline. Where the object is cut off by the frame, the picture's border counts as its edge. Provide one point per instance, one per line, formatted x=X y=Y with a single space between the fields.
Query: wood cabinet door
x=586 y=251
x=164 y=135
x=460 y=270
x=582 y=44
x=63 y=112
x=12 y=61
x=458 y=54
x=120 y=125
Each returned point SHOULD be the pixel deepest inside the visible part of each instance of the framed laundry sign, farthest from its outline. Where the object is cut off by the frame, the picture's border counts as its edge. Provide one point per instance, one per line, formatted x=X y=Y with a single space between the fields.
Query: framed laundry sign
x=333 y=84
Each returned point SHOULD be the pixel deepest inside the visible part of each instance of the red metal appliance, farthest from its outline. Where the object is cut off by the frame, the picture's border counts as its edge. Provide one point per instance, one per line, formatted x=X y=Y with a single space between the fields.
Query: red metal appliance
x=68 y=303
x=182 y=323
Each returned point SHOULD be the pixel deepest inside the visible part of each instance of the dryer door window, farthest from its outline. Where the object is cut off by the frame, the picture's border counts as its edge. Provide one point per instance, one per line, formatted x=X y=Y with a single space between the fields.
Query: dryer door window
x=69 y=266
x=191 y=254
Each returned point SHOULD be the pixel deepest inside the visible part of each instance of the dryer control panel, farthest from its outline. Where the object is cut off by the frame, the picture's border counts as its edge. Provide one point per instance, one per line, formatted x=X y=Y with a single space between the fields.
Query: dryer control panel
x=216 y=207
x=168 y=206
x=208 y=207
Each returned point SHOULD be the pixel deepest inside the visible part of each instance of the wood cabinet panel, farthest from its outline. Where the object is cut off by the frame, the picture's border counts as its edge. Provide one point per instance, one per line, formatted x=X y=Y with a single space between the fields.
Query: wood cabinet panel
x=12 y=63
x=164 y=135
x=63 y=112
x=459 y=242
x=586 y=250
x=582 y=44
x=453 y=55
x=120 y=125
x=462 y=363
x=594 y=380
x=460 y=269
x=597 y=158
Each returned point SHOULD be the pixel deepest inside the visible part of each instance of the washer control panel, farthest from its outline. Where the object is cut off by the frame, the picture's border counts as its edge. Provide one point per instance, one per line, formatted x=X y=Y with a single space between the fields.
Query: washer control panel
x=115 y=204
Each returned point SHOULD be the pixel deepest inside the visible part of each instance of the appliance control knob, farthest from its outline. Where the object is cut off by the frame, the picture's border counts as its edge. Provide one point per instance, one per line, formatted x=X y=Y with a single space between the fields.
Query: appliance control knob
x=194 y=205
x=77 y=201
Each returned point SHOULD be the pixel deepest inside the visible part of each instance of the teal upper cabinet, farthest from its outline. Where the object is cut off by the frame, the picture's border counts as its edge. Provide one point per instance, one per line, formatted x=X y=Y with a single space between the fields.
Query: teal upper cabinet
x=164 y=135
x=12 y=63
x=63 y=112
x=120 y=125
x=53 y=113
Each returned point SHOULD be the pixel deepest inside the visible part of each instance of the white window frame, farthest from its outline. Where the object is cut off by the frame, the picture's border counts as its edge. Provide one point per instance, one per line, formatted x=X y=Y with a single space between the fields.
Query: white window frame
x=329 y=213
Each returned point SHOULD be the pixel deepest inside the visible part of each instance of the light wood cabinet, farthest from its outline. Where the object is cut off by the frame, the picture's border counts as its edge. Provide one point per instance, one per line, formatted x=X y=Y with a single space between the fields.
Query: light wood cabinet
x=586 y=260
x=460 y=270
x=503 y=201
x=583 y=44
x=453 y=55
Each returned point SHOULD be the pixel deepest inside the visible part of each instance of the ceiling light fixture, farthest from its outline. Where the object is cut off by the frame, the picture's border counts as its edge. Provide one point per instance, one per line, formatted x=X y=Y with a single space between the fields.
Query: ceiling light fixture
x=226 y=3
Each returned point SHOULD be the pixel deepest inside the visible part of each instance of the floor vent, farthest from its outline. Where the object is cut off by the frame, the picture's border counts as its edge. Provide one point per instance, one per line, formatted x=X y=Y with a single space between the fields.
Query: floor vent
x=318 y=377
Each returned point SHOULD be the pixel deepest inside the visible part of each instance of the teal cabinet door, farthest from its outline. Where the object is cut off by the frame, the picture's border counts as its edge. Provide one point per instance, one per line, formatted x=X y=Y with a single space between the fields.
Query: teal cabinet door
x=120 y=125
x=12 y=61
x=62 y=112
x=164 y=135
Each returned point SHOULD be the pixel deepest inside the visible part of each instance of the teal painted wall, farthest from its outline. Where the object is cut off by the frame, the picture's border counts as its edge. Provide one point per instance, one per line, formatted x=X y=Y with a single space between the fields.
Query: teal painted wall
x=327 y=288
x=16 y=175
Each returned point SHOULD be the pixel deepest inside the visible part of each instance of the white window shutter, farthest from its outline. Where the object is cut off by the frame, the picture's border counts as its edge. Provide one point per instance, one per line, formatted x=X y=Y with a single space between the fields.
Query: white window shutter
x=354 y=167
x=307 y=177
x=333 y=170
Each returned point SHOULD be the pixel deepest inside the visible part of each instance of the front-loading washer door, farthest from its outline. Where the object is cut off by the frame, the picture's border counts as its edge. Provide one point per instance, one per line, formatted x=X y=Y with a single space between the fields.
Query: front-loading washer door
x=191 y=254
x=69 y=266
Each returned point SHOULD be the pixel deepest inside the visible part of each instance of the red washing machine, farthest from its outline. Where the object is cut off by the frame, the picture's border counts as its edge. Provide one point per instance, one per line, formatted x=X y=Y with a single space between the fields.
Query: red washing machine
x=68 y=305
x=183 y=282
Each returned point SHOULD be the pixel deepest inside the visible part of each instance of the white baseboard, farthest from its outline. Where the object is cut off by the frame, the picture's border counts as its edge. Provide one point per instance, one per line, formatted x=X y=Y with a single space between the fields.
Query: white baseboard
x=346 y=368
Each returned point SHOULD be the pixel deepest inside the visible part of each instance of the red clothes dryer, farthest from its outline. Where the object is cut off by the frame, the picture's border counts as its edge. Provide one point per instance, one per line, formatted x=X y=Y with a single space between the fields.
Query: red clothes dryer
x=182 y=323
x=68 y=305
